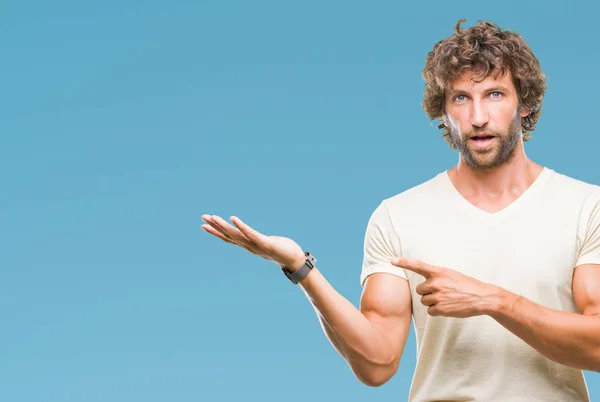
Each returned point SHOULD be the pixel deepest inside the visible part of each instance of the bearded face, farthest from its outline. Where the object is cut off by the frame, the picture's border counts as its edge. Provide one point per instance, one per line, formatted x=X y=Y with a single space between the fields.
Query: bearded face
x=484 y=119
x=487 y=148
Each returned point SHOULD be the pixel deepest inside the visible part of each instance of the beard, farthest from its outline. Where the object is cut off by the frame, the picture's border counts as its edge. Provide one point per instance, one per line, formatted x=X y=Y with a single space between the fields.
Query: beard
x=500 y=153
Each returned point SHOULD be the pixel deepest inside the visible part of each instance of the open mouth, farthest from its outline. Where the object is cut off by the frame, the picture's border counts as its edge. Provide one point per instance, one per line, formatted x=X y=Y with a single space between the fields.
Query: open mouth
x=483 y=141
x=483 y=138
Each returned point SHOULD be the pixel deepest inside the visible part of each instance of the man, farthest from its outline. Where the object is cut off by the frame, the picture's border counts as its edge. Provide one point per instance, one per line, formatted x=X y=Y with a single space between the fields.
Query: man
x=497 y=260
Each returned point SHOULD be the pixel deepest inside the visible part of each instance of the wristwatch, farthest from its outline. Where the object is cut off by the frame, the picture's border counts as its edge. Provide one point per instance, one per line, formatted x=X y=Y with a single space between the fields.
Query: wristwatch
x=304 y=270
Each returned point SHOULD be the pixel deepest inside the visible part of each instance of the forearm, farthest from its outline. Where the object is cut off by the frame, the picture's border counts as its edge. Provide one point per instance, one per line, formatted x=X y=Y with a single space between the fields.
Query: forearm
x=356 y=338
x=567 y=338
x=369 y=372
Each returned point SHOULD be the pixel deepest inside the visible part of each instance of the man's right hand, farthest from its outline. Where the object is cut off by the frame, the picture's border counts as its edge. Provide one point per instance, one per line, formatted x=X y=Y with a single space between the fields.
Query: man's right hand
x=280 y=250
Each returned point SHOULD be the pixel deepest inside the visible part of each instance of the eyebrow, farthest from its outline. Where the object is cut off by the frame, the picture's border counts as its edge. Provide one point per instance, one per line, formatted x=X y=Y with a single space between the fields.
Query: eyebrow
x=500 y=88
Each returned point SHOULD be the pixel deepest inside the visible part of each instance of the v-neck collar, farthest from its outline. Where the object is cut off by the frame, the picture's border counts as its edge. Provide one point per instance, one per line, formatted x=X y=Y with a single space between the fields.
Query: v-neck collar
x=518 y=203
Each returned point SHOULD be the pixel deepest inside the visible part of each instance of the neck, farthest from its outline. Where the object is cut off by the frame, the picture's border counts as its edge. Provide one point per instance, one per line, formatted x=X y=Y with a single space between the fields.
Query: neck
x=514 y=177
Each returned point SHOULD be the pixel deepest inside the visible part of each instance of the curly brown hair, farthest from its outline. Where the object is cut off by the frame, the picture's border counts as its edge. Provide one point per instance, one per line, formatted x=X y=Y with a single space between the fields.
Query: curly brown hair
x=484 y=49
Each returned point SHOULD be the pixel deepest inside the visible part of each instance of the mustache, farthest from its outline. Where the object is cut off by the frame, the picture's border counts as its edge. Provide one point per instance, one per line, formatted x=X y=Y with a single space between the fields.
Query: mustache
x=482 y=131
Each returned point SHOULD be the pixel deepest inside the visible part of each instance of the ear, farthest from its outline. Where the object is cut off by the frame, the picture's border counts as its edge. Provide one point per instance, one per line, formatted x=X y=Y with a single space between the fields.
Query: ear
x=525 y=112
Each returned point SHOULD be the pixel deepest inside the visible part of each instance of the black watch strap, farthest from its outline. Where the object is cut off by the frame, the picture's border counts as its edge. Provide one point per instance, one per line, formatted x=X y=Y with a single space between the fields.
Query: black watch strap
x=304 y=270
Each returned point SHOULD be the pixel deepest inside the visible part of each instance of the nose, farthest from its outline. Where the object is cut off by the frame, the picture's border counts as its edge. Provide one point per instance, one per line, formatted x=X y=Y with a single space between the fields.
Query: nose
x=479 y=114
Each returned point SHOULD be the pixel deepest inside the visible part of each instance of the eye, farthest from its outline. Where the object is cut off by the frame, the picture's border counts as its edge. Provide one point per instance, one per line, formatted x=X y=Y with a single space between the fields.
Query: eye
x=496 y=95
x=460 y=98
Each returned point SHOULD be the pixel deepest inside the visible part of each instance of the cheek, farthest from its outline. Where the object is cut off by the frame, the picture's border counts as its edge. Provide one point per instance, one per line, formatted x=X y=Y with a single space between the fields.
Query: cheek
x=503 y=116
x=457 y=123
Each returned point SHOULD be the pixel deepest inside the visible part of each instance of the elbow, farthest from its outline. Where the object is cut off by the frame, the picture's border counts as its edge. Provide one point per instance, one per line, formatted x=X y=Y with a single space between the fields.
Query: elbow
x=596 y=362
x=581 y=361
x=374 y=372
x=588 y=361
x=593 y=366
x=376 y=377
x=374 y=382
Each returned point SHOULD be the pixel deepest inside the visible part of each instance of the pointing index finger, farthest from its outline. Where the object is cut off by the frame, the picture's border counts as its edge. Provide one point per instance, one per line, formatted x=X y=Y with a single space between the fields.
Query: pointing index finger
x=416 y=266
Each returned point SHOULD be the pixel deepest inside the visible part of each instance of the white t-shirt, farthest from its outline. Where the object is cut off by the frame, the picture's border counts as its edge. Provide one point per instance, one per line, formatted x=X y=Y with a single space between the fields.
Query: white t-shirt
x=530 y=248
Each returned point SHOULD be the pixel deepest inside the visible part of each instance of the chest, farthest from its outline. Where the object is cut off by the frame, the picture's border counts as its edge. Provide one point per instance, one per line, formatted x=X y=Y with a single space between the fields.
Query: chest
x=531 y=256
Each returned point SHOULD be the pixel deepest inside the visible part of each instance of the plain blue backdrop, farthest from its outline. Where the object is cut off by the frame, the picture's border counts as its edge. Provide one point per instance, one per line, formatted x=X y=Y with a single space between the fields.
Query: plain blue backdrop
x=122 y=122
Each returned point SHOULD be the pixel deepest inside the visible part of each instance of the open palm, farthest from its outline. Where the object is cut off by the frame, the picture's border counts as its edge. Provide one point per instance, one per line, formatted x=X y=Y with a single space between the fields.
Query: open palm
x=280 y=250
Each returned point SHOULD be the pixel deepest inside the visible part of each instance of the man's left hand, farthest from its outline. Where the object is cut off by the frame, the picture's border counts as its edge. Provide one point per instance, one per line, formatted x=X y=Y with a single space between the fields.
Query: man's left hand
x=449 y=293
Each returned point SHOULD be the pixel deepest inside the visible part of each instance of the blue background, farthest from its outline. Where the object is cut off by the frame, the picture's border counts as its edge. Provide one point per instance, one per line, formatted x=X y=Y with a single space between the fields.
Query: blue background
x=122 y=122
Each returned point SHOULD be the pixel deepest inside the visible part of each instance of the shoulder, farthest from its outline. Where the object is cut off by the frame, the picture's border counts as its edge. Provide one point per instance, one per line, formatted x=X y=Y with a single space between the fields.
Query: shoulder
x=403 y=208
x=570 y=187
x=421 y=197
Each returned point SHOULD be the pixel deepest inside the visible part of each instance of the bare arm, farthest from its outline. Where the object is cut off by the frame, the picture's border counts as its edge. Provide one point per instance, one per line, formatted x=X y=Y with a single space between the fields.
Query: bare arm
x=371 y=339
x=572 y=339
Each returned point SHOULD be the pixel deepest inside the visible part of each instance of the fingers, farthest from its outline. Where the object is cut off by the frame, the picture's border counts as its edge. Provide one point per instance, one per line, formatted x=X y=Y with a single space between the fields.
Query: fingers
x=242 y=236
x=250 y=233
x=416 y=266
x=434 y=311
x=223 y=227
x=213 y=224
x=215 y=232
x=428 y=300
x=424 y=288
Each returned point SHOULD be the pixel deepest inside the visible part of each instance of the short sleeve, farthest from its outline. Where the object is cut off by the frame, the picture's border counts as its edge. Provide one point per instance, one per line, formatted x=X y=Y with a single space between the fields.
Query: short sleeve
x=589 y=252
x=381 y=244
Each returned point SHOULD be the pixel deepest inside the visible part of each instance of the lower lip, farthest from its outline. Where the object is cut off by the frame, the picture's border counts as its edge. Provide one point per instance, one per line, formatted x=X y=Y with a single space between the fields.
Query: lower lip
x=483 y=143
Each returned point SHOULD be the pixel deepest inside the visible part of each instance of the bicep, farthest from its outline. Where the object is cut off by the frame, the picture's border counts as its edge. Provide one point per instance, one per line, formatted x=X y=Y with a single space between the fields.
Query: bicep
x=386 y=302
x=586 y=289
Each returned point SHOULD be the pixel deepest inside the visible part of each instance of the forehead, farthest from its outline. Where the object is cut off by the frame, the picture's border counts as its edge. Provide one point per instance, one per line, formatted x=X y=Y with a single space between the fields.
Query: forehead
x=471 y=81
